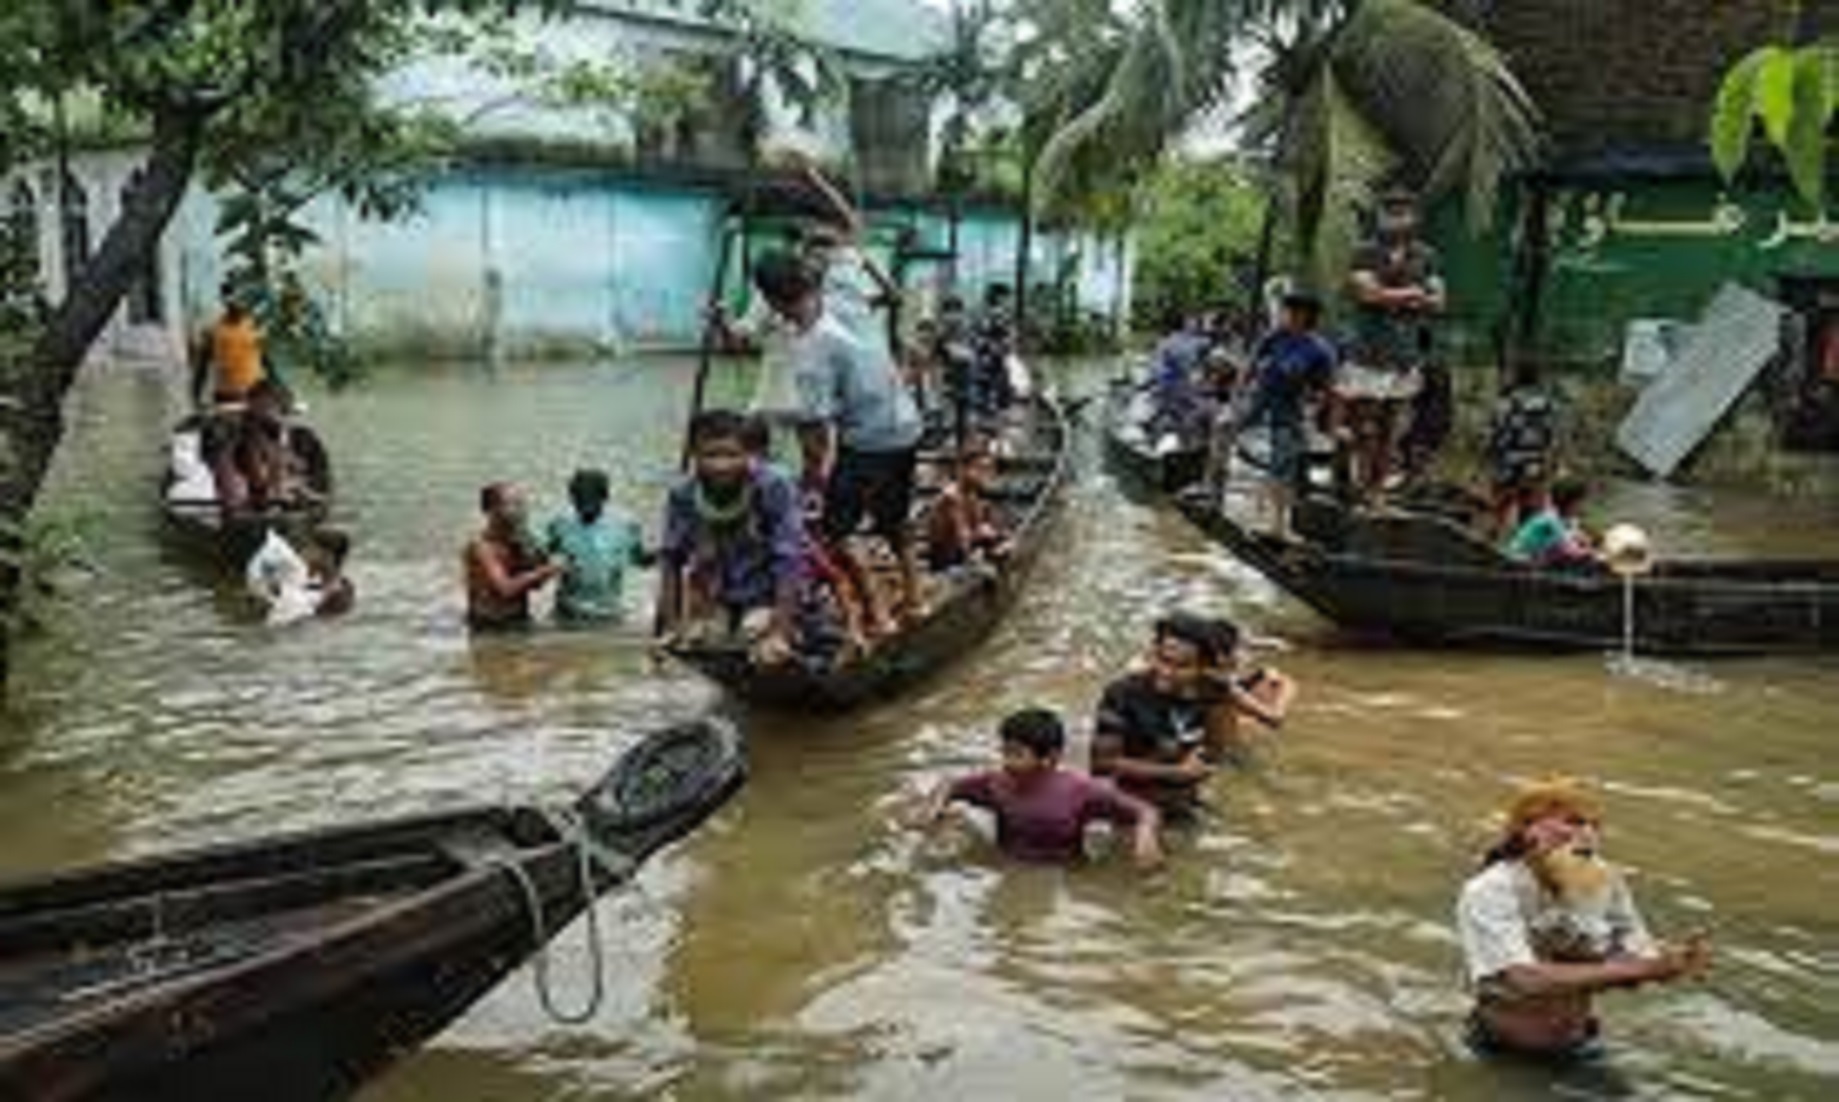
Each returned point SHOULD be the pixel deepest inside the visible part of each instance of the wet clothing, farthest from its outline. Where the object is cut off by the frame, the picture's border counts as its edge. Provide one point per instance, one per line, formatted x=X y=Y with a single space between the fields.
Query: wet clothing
x=597 y=555
x=1046 y=819
x=1505 y=917
x=1522 y=438
x=855 y=385
x=1548 y=539
x=741 y=554
x=1155 y=726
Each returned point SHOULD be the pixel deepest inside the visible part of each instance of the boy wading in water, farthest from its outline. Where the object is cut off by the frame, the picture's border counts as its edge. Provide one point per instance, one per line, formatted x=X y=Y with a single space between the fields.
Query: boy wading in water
x=1547 y=925
x=1160 y=732
x=1042 y=810
x=595 y=548
x=854 y=387
x=734 y=547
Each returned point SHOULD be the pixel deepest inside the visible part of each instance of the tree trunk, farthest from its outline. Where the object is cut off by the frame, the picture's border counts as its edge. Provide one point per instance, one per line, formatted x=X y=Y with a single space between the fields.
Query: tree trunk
x=32 y=390
x=1023 y=251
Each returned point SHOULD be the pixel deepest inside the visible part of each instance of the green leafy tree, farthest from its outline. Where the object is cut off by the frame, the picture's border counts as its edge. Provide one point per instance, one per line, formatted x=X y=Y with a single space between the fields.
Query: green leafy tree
x=214 y=87
x=1351 y=93
x=1194 y=219
x=1792 y=93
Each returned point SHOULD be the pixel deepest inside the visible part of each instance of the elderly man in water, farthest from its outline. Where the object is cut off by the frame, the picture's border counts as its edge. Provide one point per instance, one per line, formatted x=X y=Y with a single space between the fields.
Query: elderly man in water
x=1546 y=925
x=503 y=564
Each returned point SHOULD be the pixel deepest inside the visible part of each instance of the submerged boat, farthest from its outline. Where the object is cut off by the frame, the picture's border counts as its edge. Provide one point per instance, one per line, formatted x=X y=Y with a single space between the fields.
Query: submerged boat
x=198 y=522
x=1033 y=469
x=296 y=967
x=1423 y=579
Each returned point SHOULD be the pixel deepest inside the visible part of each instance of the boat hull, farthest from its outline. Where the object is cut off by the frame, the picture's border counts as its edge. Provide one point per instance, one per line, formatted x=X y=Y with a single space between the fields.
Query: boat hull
x=1682 y=608
x=974 y=604
x=310 y=1011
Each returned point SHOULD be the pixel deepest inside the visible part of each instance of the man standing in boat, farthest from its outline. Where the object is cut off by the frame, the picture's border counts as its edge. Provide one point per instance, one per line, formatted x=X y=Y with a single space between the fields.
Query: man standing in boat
x=854 y=386
x=227 y=359
x=1396 y=292
x=1546 y=925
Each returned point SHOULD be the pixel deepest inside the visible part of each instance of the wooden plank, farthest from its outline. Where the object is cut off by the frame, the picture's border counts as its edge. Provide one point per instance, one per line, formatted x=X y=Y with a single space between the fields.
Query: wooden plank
x=1738 y=336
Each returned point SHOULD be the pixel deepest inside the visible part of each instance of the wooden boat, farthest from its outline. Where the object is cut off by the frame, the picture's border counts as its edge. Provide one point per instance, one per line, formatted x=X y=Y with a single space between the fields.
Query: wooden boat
x=967 y=606
x=1141 y=469
x=293 y=968
x=1422 y=579
x=198 y=524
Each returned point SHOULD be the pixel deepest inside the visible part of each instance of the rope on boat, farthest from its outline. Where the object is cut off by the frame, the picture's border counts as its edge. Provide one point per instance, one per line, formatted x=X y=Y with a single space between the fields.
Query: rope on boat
x=588 y=853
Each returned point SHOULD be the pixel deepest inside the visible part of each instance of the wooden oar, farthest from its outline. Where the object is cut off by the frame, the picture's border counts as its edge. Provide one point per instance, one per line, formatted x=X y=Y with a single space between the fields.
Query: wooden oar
x=706 y=352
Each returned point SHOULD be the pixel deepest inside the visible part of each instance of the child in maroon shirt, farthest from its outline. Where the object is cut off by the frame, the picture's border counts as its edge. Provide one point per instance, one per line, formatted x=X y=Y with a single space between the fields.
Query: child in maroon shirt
x=1041 y=809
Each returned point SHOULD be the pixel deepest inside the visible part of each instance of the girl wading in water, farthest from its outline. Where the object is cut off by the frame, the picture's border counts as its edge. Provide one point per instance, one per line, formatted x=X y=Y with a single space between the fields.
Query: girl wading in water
x=1547 y=925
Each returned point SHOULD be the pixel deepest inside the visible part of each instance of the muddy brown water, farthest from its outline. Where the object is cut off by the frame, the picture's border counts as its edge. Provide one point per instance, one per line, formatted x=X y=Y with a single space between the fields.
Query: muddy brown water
x=806 y=945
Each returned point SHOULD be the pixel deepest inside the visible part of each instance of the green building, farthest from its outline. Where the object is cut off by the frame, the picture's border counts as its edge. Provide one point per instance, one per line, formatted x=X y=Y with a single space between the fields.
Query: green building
x=1627 y=219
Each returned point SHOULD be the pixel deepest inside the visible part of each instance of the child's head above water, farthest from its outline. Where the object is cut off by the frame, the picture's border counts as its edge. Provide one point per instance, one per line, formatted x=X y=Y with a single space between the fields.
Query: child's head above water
x=587 y=492
x=1032 y=741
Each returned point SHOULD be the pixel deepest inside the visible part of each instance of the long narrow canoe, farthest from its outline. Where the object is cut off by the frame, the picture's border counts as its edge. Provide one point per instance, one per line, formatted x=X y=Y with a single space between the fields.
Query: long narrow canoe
x=963 y=607
x=229 y=538
x=1422 y=579
x=296 y=967
x=1142 y=470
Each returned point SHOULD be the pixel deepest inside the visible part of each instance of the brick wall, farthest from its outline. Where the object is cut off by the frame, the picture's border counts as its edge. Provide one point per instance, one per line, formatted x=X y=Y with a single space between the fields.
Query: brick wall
x=1618 y=73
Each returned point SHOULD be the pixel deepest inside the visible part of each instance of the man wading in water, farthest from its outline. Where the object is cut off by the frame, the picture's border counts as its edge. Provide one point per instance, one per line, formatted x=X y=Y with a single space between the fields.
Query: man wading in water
x=503 y=566
x=1546 y=925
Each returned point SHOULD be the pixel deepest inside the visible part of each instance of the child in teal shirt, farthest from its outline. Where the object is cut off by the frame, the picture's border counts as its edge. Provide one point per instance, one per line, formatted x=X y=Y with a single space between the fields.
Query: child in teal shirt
x=595 y=549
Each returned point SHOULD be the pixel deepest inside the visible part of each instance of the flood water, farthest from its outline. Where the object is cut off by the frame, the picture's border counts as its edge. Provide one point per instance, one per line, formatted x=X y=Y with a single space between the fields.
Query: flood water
x=806 y=944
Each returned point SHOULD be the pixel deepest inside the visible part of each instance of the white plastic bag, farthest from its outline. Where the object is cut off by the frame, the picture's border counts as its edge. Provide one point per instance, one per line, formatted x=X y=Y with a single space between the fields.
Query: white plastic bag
x=192 y=482
x=279 y=578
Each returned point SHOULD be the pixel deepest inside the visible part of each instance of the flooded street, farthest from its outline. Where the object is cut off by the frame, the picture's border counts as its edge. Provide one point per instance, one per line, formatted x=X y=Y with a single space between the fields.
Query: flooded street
x=806 y=944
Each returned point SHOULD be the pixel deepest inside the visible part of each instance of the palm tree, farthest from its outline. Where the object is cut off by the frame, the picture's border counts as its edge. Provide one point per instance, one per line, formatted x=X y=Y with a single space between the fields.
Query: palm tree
x=1352 y=93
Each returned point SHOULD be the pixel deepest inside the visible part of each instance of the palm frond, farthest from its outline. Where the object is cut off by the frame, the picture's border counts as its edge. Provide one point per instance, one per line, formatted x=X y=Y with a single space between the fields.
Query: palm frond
x=1441 y=96
x=1336 y=161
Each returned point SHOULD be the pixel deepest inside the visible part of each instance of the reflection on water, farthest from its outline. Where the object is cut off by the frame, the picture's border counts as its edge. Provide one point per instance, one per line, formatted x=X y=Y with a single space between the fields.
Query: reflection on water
x=806 y=945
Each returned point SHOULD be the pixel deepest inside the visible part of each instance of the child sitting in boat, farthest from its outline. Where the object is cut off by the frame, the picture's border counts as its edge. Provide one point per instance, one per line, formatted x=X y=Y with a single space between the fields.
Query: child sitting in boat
x=1041 y=809
x=1552 y=534
x=734 y=544
x=962 y=526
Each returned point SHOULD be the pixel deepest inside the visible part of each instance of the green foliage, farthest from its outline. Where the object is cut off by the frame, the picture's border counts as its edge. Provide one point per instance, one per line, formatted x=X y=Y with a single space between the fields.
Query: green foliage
x=48 y=557
x=1350 y=93
x=1195 y=219
x=1793 y=94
